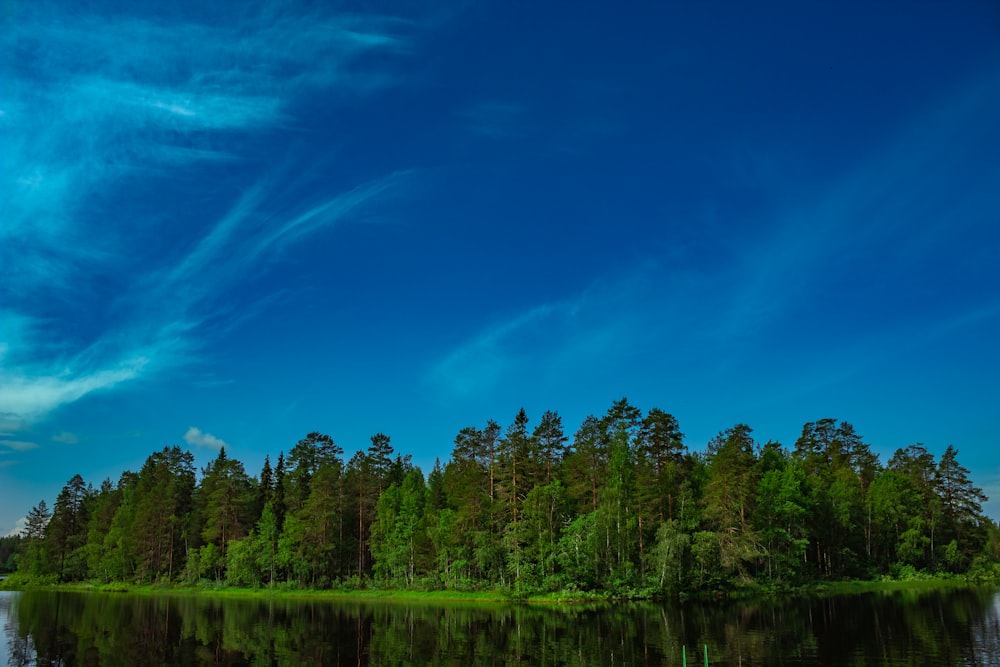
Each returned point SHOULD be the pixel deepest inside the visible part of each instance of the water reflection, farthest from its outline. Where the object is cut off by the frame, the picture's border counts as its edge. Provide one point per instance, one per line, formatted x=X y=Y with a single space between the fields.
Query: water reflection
x=938 y=628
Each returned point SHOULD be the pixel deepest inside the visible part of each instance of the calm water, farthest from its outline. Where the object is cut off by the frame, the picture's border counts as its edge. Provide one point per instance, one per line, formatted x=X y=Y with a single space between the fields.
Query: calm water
x=938 y=628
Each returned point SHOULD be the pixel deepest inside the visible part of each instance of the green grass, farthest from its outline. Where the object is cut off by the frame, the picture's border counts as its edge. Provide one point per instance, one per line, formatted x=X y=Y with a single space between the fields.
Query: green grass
x=485 y=597
x=888 y=585
x=363 y=595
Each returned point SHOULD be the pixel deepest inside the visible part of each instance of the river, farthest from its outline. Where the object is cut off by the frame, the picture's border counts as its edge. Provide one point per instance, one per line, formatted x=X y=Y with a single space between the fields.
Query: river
x=942 y=627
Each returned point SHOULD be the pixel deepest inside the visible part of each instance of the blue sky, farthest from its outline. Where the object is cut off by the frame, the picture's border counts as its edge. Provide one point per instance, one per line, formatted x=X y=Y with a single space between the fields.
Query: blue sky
x=237 y=225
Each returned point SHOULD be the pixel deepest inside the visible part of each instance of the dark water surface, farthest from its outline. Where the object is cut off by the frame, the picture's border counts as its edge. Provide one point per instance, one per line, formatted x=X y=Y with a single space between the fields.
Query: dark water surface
x=953 y=627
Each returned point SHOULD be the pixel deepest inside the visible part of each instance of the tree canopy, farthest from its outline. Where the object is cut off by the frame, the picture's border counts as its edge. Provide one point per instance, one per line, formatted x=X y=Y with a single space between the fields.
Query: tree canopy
x=623 y=507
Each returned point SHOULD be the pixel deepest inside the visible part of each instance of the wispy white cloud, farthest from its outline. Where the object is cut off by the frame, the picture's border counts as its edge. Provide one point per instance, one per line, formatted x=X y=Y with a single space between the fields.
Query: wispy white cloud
x=165 y=108
x=117 y=97
x=116 y=93
x=66 y=438
x=249 y=232
x=9 y=423
x=333 y=210
x=587 y=333
x=27 y=396
x=482 y=361
x=715 y=316
x=18 y=445
x=197 y=438
x=888 y=210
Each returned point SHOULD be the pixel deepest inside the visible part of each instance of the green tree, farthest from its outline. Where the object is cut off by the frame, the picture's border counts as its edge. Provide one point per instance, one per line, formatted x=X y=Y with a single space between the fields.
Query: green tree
x=660 y=475
x=894 y=503
x=730 y=495
x=449 y=552
x=781 y=509
x=962 y=517
x=118 y=552
x=916 y=544
x=410 y=533
x=616 y=520
x=149 y=538
x=386 y=553
x=320 y=526
x=623 y=416
x=360 y=487
x=515 y=480
x=545 y=511
x=227 y=497
x=399 y=542
x=241 y=564
x=670 y=556
x=488 y=452
x=578 y=553
x=66 y=533
x=280 y=504
x=586 y=468
x=37 y=521
x=380 y=460
x=661 y=443
x=839 y=468
x=266 y=544
x=304 y=460
x=436 y=497
x=105 y=505
x=551 y=443
x=707 y=571
x=265 y=487
x=10 y=546
x=468 y=486
x=35 y=560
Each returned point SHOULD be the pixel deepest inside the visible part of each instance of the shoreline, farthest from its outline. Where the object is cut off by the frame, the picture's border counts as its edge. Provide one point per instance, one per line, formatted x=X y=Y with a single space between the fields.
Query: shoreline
x=500 y=597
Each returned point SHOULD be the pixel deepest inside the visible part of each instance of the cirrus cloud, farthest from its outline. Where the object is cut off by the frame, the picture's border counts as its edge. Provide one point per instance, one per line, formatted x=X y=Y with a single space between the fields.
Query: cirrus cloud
x=122 y=97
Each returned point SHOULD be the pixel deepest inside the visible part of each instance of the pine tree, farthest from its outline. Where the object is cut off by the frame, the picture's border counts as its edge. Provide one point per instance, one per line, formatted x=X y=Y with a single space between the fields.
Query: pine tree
x=150 y=536
x=280 y=505
x=515 y=482
x=305 y=458
x=380 y=460
x=661 y=444
x=227 y=496
x=266 y=486
x=730 y=495
x=35 y=558
x=66 y=533
x=587 y=466
x=551 y=442
x=436 y=498
x=962 y=517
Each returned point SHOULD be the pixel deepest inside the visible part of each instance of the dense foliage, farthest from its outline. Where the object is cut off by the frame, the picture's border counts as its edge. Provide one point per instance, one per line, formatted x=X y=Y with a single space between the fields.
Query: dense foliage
x=624 y=507
x=8 y=548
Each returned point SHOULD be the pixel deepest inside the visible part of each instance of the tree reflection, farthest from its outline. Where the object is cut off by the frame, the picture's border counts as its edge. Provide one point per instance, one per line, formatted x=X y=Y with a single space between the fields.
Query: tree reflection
x=942 y=627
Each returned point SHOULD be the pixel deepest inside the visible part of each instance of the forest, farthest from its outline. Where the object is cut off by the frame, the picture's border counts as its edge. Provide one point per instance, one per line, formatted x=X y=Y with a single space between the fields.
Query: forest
x=623 y=508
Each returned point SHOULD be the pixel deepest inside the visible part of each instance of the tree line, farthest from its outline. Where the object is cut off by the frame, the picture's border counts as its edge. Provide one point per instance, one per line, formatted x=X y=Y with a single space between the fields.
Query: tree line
x=623 y=507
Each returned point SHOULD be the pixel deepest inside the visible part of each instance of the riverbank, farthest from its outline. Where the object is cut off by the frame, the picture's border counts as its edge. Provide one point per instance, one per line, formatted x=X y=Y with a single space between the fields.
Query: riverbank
x=892 y=585
x=339 y=595
x=487 y=597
